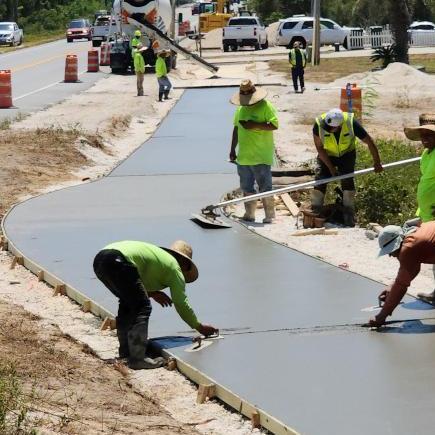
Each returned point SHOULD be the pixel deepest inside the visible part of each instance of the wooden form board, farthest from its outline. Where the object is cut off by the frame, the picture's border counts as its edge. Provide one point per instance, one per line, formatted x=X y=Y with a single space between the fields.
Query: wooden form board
x=290 y=204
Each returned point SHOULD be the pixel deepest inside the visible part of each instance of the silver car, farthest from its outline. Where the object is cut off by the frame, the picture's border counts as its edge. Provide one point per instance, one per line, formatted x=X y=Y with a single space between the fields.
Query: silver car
x=10 y=34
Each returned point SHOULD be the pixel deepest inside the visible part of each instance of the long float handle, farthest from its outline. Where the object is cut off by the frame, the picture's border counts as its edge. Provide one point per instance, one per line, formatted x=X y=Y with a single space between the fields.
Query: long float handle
x=314 y=183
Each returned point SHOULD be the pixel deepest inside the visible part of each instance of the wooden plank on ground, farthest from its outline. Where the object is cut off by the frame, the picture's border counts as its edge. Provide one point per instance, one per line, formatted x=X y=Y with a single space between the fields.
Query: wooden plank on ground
x=290 y=204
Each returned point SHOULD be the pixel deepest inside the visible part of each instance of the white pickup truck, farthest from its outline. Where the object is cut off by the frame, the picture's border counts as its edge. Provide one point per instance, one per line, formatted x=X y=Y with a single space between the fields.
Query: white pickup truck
x=10 y=34
x=101 y=29
x=244 y=32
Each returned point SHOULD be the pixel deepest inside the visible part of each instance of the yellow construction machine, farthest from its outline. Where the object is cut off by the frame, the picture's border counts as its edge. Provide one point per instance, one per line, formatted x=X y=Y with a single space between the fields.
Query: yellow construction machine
x=216 y=18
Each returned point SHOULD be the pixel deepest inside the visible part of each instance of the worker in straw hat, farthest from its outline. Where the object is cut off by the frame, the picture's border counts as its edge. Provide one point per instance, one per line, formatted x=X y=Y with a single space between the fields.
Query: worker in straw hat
x=254 y=123
x=162 y=74
x=412 y=246
x=298 y=62
x=335 y=136
x=425 y=133
x=137 y=271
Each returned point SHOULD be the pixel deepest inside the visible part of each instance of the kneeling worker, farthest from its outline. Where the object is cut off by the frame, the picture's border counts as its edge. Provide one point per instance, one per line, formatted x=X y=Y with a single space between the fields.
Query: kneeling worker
x=135 y=272
x=412 y=249
x=335 y=134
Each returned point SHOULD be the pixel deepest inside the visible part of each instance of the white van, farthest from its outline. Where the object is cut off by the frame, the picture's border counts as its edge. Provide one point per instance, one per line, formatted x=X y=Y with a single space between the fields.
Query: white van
x=301 y=29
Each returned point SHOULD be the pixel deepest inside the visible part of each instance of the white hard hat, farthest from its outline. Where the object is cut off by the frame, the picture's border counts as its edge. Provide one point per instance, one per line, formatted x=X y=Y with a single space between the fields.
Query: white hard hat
x=334 y=118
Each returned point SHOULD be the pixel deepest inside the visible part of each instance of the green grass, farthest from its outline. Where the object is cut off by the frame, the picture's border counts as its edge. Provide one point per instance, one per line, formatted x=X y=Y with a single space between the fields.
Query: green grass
x=33 y=39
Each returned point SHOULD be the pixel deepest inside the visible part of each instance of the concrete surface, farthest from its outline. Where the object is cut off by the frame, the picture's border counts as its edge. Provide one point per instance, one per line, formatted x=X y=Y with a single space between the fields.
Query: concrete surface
x=292 y=345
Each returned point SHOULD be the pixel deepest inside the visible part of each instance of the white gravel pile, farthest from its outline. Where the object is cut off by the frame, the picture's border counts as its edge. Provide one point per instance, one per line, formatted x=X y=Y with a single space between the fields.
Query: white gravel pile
x=272 y=33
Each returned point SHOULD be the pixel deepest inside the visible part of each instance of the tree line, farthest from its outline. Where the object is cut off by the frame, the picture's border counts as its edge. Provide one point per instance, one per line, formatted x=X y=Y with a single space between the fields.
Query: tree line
x=39 y=16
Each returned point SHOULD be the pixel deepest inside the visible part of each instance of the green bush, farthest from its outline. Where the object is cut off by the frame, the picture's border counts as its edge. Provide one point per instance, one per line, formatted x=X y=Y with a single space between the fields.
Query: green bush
x=389 y=198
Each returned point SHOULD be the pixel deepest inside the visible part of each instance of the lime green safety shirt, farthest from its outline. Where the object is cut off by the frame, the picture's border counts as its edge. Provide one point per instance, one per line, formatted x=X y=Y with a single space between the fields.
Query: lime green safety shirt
x=159 y=270
x=133 y=44
x=256 y=147
x=161 y=69
x=139 y=63
x=426 y=186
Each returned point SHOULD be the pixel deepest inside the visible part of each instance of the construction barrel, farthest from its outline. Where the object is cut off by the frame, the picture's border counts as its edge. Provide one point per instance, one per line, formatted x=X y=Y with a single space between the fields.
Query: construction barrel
x=93 y=61
x=71 y=69
x=5 y=89
x=351 y=100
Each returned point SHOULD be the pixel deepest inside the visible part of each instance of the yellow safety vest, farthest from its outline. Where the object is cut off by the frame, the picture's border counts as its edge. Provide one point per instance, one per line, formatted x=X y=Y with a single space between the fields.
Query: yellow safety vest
x=292 y=57
x=347 y=140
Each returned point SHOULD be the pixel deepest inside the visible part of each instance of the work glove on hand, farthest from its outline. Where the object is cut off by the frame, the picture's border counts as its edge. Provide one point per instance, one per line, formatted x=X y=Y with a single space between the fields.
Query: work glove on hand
x=375 y=322
x=233 y=156
x=161 y=298
x=207 y=330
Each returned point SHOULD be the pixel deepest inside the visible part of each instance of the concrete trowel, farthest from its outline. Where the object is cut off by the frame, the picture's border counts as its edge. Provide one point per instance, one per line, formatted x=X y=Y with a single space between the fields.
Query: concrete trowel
x=210 y=218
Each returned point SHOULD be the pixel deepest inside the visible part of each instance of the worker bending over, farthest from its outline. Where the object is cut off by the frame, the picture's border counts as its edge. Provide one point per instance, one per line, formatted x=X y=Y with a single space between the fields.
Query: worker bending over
x=426 y=187
x=135 y=272
x=298 y=62
x=254 y=122
x=139 y=68
x=162 y=75
x=412 y=247
x=335 y=135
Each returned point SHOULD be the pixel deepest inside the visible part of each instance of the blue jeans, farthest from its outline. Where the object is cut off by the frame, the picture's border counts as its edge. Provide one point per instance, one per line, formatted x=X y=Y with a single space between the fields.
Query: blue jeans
x=164 y=84
x=262 y=174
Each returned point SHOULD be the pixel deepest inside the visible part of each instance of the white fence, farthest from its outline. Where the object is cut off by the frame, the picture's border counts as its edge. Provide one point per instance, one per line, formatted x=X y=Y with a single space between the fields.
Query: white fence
x=365 y=39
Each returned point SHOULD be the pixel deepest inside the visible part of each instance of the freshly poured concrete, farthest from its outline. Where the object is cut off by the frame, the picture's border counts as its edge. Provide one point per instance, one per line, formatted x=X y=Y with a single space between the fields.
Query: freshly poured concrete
x=291 y=346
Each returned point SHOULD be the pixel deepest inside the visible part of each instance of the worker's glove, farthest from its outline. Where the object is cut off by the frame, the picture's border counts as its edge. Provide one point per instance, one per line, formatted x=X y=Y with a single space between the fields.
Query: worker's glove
x=207 y=330
x=375 y=322
x=161 y=298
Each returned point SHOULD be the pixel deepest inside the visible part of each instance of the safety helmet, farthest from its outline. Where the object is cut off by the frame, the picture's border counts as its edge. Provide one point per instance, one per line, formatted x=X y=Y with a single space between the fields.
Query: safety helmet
x=138 y=33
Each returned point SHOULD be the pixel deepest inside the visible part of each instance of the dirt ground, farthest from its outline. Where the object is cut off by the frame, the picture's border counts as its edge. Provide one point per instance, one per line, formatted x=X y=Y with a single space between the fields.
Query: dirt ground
x=89 y=137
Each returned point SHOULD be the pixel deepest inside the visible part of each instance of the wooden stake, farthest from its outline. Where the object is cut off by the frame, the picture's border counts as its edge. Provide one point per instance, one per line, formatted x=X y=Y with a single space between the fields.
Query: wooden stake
x=60 y=289
x=108 y=323
x=205 y=392
x=255 y=420
x=86 y=307
x=172 y=364
x=3 y=243
x=290 y=204
x=17 y=260
x=40 y=276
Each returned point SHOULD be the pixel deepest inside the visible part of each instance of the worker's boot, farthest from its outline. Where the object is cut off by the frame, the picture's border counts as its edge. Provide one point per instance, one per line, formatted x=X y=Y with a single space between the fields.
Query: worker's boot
x=166 y=95
x=317 y=201
x=160 y=97
x=269 y=210
x=122 y=333
x=137 y=344
x=349 y=208
x=250 y=207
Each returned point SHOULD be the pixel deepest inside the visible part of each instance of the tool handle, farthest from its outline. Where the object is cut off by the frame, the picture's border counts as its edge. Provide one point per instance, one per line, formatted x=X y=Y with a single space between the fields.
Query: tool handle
x=313 y=183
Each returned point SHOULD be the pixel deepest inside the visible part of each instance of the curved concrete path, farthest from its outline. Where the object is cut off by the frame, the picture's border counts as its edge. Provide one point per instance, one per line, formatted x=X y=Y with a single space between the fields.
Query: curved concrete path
x=292 y=348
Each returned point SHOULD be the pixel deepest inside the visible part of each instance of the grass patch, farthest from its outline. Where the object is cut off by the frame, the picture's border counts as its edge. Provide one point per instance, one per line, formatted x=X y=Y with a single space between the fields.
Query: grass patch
x=33 y=39
x=332 y=69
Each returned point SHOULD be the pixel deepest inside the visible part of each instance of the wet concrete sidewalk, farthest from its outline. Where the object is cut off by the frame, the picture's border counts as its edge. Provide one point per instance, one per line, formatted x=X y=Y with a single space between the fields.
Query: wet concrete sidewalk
x=292 y=346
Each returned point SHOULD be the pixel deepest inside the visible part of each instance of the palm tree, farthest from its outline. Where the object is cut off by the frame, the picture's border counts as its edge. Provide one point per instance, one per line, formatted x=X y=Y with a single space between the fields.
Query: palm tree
x=400 y=21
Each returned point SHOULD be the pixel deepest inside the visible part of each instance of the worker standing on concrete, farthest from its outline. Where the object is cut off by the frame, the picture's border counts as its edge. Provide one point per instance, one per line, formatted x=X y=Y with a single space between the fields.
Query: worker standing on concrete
x=135 y=41
x=139 y=68
x=298 y=62
x=335 y=135
x=426 y=187
x=162 y=75
x=254 y=123
x=135 y=272
x=412 y=247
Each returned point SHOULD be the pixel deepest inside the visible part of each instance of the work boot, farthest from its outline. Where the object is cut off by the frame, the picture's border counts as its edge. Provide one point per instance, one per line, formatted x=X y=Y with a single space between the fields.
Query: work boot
x=122 y=333
x=317 y=201
x=250 y=207
x=269 y=210
x=166 y=94
x=137 y=344
x=427 y=297
x=160 y=97
x=349 y=208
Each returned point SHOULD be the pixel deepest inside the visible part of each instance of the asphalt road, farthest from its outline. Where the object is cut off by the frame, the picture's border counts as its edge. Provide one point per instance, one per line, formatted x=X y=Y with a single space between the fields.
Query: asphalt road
x=38 y=74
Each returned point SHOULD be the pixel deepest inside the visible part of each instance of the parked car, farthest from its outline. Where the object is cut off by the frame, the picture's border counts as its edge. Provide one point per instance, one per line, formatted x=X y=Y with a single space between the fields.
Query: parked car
x=79 y=29
x=300 y=28
x=244 y=32
x=422 y=26
x=10 y=34
x=422 y=33
x=101 y=29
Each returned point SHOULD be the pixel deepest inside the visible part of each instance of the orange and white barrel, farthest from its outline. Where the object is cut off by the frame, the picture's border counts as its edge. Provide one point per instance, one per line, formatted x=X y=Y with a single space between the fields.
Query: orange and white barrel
x=71 y=69
x=351 y=100
x=105 y=54
x=93 y=61
x=5 y=89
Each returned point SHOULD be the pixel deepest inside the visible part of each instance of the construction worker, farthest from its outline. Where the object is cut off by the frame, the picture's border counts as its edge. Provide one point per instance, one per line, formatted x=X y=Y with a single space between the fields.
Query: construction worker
x=135 y=272
x=162 y=75
x=335 y=135
x=425 y=133
x=135 y=41
x=254 y=123
x=298 y=61
x=139 y=68
x=412 y=247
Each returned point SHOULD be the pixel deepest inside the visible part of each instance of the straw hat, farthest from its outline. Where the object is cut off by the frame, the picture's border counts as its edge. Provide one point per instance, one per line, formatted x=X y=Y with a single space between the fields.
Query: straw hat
x=427 y=123
x=164 y=53
x=181 y=249
x=248 y=94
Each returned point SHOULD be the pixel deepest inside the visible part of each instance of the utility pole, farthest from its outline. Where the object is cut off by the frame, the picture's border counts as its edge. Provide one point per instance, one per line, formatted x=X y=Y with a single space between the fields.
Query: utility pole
x=315 y=58
x=172 y=29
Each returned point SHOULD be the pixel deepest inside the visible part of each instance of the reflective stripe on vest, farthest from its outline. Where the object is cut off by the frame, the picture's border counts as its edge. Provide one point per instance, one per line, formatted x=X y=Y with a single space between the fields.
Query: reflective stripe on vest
x=347 y=140
x=292 y=57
